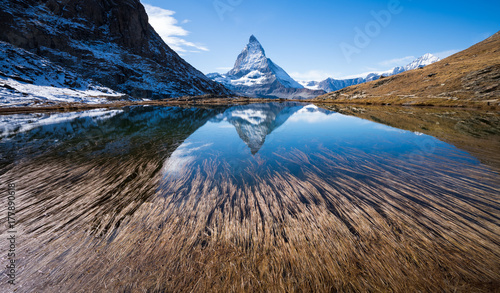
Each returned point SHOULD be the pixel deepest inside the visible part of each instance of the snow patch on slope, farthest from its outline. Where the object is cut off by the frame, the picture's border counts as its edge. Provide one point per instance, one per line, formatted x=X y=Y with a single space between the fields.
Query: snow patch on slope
x=27 y=79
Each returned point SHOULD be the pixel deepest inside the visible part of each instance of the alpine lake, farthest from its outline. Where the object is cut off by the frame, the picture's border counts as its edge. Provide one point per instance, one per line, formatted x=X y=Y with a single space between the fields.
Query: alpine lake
x=276 y=197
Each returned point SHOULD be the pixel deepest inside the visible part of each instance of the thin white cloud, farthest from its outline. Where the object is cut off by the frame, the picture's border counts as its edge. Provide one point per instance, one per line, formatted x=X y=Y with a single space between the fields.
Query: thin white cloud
x=224 y=69
x=312 y=75
x=481 y=37
x=366 y=71
x=170 y=31
x=370 y=69
x=397 y=61
x=444 y=54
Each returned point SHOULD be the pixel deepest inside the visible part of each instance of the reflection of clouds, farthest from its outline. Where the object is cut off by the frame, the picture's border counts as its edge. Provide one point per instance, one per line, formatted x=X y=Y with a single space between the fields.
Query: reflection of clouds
x=17 y=123
x=252 y=116
x=388 y=128
x=182 y=157
x=226 y=125
x=312 y=114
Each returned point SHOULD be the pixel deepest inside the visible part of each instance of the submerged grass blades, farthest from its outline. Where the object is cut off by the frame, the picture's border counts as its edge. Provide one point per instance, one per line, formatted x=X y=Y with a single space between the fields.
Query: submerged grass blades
x=340 y=223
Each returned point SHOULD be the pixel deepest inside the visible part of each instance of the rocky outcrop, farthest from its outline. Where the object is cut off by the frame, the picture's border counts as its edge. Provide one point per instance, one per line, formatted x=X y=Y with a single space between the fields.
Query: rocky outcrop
x=485 y=82
x=106 y=40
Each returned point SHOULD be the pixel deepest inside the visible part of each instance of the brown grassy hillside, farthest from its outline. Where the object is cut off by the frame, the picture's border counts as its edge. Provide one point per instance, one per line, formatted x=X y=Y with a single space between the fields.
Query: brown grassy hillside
x=468 y=78
x=471 y=131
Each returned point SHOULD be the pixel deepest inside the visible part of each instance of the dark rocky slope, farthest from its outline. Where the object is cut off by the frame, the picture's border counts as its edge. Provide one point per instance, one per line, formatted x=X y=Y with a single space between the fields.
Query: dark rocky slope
x=109 y=41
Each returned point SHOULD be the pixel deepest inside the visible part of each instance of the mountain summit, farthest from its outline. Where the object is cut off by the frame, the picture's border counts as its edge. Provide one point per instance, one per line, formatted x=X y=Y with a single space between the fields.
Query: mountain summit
x=256 y=75
x=421 y=61
x=253 y=57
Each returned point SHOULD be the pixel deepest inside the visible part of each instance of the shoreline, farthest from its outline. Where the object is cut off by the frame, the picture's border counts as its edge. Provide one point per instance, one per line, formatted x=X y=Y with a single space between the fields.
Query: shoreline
x=223 y=101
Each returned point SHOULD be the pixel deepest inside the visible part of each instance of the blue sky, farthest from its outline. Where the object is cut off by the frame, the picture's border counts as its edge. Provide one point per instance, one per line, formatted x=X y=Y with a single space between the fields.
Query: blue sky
x=316 y=39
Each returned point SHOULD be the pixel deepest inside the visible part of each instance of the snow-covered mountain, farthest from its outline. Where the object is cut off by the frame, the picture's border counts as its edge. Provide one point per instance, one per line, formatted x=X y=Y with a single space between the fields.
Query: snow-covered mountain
x=331 y=85
x=110 y=42
x=422 y=61
x=255 y=75
x=417 y=63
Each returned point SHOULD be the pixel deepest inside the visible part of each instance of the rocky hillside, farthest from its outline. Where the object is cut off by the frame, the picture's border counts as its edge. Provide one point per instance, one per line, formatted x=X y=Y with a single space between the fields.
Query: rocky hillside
x=108 y=41
x=468 y=78
x=27 y=79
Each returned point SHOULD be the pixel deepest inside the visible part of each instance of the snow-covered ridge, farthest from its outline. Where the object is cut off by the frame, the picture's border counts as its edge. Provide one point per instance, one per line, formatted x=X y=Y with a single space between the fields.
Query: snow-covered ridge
x=422 y=61
x=330 y=84
x=27 y=79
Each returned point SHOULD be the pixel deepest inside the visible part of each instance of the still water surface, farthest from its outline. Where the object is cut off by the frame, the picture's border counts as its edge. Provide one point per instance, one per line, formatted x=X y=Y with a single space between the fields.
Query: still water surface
x=279 y=197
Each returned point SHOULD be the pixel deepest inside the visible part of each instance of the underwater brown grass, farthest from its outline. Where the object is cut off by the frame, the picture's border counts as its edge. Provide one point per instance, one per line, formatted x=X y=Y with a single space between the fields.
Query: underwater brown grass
x=343 y=223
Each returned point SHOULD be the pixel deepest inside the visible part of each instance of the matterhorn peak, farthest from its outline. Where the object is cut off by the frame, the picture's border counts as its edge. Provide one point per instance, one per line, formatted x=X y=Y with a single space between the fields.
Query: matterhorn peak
x=253 y=39
x=255 y=75
x=253 y=57
x=254 y=47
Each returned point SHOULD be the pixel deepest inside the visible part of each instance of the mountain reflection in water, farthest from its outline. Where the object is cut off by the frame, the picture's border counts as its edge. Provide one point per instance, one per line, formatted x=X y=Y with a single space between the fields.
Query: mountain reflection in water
x=278 y=197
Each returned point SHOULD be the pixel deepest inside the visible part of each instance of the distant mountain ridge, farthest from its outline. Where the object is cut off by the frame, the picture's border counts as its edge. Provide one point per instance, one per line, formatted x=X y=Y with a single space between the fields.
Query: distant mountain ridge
x=255 y=75
x=330 y=84
x=110 y=42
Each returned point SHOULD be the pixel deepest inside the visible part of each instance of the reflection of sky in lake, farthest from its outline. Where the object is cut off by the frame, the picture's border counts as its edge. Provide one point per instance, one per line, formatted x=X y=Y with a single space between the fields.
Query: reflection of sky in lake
x=246 y=135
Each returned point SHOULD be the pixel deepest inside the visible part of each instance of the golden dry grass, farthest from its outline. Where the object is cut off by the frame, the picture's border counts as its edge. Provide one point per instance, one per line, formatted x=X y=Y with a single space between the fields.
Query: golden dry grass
x=350 y=223
x=469 y=78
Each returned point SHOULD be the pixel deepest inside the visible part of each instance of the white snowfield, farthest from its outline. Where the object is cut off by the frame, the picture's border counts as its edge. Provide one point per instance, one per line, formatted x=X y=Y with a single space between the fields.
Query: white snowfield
x=27 y=79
